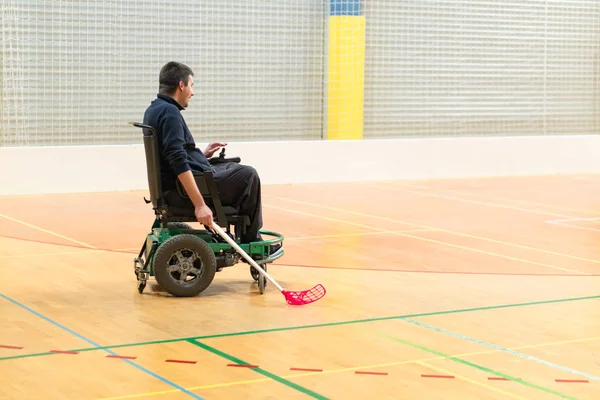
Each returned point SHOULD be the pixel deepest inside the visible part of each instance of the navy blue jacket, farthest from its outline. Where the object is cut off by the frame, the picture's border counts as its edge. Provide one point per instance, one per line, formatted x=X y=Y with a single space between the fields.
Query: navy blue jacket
x=176 y=146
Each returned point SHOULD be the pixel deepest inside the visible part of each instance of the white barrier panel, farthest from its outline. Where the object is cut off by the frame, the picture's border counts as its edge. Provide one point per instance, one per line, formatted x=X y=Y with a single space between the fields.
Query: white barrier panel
x=34 y=170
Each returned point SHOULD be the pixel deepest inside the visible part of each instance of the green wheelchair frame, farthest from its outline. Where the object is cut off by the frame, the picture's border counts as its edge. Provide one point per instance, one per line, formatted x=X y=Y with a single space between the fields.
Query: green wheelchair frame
x=174 y=250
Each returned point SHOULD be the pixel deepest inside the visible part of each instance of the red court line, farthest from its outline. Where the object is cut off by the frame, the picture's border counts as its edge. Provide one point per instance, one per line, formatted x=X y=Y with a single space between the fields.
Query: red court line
x=121 y=357
x=437 y=376
x=369 y=373
x=181 y=361
x=491 y=378
x=63 y=352
x=242 y=365
x=2 y=346
x=306 y=369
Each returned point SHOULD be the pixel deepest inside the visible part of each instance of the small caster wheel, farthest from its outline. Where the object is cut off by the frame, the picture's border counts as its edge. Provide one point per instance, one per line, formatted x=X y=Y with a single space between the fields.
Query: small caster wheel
x=254 y=273
x=262 y=280
x=141 y=286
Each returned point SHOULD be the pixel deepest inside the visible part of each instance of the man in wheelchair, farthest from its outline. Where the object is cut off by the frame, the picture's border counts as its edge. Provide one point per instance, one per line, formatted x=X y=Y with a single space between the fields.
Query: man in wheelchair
x=180 y=160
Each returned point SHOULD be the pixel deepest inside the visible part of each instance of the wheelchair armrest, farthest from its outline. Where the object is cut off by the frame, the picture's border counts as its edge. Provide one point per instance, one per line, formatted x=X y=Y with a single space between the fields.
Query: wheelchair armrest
x=222 y=160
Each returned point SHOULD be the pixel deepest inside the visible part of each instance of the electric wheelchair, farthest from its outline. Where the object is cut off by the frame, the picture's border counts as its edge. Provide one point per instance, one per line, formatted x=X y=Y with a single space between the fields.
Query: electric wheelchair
x=184 y=260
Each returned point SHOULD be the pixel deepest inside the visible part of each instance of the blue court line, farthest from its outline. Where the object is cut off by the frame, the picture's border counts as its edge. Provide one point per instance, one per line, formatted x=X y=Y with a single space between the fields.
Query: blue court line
x=165 y=380
x=503 y=349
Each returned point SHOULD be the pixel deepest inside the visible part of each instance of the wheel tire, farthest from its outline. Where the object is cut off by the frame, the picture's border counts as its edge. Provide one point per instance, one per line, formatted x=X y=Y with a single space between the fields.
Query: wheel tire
x=179 y=225
x=166 y=264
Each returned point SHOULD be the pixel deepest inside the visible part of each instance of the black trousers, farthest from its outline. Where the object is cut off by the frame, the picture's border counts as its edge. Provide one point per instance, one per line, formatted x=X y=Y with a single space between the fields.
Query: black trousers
x=239 y=186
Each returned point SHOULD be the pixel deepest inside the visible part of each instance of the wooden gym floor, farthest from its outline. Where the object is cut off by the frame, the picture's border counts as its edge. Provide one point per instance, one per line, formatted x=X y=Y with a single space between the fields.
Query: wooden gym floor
x=455 y=289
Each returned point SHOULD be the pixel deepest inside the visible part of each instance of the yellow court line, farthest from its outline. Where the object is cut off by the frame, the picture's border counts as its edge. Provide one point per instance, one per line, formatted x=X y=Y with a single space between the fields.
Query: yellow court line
x=426 y=239
x=333 y=371
x=474 y=382
x=46 y=231
x=158 y=393
x=529 y=203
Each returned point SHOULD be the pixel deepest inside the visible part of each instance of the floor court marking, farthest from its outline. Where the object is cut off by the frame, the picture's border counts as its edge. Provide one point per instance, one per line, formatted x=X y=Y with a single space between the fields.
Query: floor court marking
x=502 y=349
x=447 y=197
x=350 y=369
x=316 y=237
x=4 y=346
x=574 y=226
x=472 y=381
x=64 y=328
x=537 y=345
x=136 y=249
x=47 y=231
x=472 y=249
x=576 y=219
x=58 y=253
x=400 y=233
x=530 y=203
x=356 y=234
x=128 y=251
x=423 y=271
x=261 y=371
x=530 y=346
x=25 y=239
x=479 y=367
x=421 y=226
x=323 y=325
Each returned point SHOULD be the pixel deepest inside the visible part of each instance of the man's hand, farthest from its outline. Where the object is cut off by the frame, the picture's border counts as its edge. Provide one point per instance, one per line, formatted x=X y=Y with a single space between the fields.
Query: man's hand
x=212 y=148
x=204 y=215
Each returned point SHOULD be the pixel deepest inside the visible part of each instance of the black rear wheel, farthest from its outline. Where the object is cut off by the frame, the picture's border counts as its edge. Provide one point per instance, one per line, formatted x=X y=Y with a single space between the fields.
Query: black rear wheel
x=184 y=265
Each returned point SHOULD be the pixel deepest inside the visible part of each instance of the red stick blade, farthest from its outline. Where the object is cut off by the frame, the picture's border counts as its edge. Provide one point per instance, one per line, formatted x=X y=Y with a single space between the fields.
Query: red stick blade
x=305 y=296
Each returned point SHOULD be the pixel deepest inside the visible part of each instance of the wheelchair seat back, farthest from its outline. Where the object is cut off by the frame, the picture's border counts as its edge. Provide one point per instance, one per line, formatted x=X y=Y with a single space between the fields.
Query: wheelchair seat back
x=152 y=164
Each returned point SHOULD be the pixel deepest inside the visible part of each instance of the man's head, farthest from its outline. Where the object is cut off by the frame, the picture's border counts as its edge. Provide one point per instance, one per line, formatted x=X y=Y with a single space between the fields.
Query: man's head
x=177 y=80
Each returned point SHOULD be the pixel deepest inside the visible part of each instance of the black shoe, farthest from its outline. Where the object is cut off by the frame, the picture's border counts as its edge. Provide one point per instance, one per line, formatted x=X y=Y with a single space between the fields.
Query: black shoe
x=274 y=248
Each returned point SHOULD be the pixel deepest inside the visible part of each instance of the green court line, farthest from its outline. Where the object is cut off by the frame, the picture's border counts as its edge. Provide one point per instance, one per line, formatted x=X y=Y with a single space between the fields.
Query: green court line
x=261 y=371
x=293 y=328
x=481 y=368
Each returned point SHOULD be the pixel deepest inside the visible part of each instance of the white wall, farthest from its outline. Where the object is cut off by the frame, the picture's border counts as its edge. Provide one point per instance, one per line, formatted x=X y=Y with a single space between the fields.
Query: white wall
x=31 y=170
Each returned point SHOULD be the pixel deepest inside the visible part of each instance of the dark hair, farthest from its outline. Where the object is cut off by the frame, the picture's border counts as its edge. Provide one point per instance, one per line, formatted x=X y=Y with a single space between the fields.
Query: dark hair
x=171 y=74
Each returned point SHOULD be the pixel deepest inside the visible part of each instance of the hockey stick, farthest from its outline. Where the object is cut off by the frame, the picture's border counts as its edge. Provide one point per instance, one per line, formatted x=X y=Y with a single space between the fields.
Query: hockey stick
x=296 y=298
